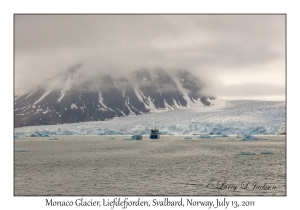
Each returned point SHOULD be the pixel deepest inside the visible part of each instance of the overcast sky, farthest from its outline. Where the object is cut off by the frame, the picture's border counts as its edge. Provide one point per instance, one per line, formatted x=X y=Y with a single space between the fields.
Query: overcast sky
x=237 y=56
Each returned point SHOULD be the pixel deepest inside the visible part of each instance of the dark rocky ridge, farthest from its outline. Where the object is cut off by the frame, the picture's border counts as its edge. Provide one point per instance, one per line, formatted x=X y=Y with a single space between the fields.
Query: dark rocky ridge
x=105 y=97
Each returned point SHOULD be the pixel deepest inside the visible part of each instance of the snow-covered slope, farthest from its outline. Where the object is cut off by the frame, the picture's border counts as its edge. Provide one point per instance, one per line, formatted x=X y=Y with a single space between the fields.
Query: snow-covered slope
x=222 y=117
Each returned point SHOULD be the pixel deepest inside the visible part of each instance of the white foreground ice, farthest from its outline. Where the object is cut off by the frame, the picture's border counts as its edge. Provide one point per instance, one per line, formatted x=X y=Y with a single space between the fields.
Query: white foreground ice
x=224 y=117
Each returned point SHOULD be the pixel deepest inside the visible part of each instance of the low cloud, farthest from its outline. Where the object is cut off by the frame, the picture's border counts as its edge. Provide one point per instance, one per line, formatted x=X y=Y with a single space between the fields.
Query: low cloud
x=261 y=91
x=212 y=47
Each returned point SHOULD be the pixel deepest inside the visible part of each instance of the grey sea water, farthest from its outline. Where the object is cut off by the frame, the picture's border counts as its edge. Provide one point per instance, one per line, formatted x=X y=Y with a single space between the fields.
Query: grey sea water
x=170 y=166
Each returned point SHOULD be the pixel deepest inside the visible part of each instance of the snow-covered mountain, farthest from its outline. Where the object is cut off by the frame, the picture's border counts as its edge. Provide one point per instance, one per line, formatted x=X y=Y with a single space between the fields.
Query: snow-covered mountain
x=73 y=96
x=222 y=117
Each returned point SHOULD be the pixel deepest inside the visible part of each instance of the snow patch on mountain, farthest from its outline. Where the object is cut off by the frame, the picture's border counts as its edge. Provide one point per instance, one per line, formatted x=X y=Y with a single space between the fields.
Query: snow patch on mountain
x=168 y=107
x=74 y=106
x=178 y=82
x=43 y=96
x=66 y=87
x=146 y=101
x=28 y=95
x=101 y=102
x=127 y=105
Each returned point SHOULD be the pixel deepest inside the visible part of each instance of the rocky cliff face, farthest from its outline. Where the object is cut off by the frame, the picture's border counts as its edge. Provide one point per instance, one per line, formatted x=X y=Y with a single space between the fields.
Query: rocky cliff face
x=71 y=97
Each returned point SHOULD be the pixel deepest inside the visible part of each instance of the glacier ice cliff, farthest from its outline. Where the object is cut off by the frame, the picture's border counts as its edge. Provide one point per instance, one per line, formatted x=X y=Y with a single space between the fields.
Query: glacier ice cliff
x=225 y=117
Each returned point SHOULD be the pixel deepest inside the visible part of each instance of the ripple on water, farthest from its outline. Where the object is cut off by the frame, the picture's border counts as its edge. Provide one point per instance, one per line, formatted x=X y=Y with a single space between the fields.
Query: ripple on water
x=79 y=166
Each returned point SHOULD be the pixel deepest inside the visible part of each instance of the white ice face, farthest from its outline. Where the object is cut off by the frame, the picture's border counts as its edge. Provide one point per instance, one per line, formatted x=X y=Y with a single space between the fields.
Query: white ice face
x=225 y=117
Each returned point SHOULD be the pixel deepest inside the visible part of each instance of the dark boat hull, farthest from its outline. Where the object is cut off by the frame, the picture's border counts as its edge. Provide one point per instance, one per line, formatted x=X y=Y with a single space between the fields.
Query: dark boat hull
x=154 y=136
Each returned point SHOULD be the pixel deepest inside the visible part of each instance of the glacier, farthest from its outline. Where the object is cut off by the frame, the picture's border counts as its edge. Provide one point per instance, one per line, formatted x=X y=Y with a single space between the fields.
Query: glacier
x=222 y=118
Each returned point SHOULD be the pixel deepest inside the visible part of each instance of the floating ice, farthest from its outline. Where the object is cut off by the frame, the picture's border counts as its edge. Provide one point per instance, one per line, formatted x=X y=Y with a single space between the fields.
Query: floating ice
x=134 y=137
x=37 y=134
x=21 y=150
x=247 y=153
x=111 y=138
x=53 y=139
x=267 y=153
x=221 y=136
x=137 y=137
x=250 y=138
x=204 y=136
x=188 y=138
x=15 y=136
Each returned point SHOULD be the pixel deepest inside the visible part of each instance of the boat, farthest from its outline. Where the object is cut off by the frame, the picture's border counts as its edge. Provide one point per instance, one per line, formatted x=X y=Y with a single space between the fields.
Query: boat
x=154 y=134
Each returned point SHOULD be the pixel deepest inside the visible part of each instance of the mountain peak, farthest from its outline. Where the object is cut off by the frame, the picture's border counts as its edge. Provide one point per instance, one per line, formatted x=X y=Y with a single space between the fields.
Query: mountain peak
x=66 y=99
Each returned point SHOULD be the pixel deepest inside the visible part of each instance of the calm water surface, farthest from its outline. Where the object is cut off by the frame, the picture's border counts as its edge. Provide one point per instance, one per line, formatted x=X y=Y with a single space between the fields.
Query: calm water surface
x=97 y=165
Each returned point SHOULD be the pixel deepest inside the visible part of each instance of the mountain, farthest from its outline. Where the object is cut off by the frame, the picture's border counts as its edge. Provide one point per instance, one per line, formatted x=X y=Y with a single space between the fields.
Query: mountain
x=73 y=96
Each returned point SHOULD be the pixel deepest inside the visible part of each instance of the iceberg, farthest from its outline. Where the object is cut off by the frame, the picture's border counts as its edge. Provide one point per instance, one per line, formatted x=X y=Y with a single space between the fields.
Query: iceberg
x=37 y=134
x=221 y=136
x=204 y=136
x=250 y=138
x=53 y=139
x=137 y=137
x=188 y=138
x=246 y=153
x=266 y=153
x=134 y=137
x=21 y=150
